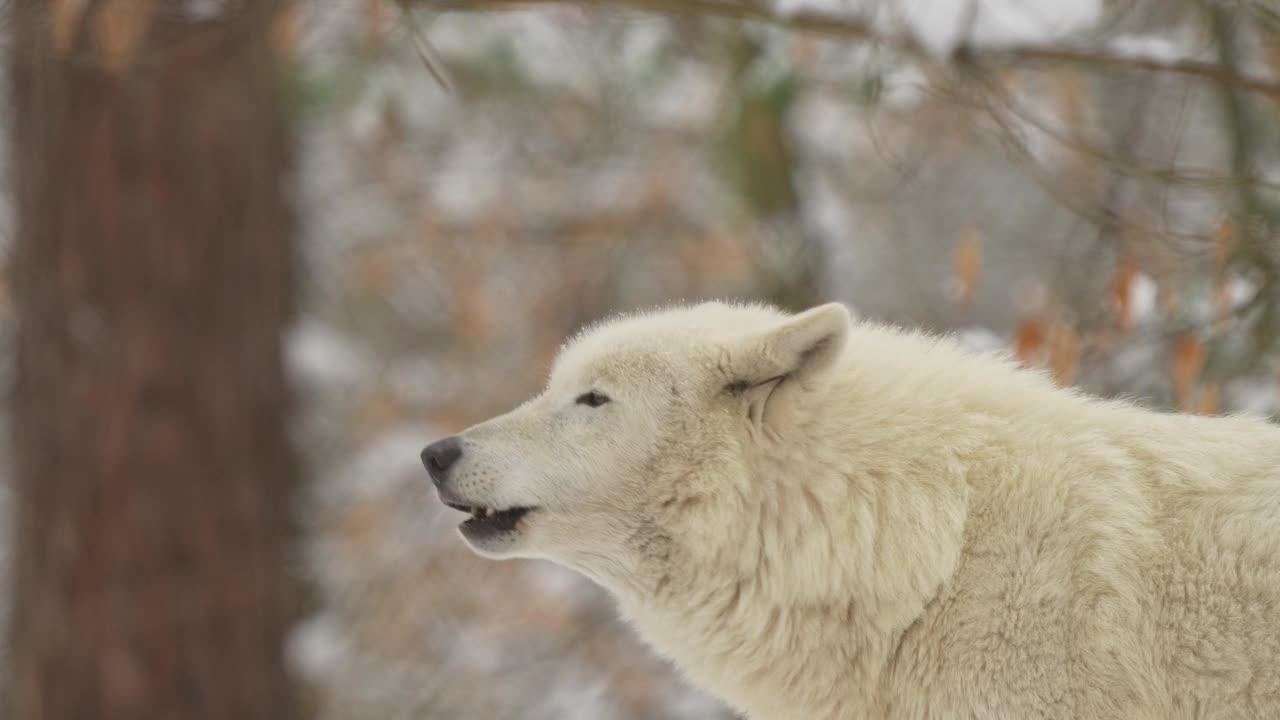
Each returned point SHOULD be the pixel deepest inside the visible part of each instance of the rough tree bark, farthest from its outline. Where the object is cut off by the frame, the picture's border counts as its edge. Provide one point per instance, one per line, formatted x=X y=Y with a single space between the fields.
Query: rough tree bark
x=153 y=280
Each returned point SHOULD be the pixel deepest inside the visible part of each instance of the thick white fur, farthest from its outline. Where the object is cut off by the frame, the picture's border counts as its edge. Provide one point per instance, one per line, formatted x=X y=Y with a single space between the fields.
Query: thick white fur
x=817 y=521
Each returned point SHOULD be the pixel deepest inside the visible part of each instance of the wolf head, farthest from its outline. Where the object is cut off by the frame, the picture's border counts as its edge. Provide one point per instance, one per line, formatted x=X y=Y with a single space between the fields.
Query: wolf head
x=650 y=427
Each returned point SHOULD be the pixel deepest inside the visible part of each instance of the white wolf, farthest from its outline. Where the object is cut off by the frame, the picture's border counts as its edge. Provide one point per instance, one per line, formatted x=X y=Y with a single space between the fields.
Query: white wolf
x=819 y=520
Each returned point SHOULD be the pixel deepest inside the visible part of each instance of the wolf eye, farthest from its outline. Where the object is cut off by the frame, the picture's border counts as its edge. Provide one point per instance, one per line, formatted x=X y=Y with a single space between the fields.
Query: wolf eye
x=592 y=399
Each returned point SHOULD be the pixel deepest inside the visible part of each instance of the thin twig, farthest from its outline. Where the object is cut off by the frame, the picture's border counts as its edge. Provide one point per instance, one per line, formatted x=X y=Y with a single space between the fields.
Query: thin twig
x=852 y=28
x=426 y=53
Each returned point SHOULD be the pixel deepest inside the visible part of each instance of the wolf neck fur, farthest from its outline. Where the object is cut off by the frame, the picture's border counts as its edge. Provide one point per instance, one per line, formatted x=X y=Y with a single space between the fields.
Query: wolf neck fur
x=880 y=555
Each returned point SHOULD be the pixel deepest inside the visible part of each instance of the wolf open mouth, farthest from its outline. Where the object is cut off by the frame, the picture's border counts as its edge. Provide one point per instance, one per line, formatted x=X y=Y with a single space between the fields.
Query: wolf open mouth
x=488 y=521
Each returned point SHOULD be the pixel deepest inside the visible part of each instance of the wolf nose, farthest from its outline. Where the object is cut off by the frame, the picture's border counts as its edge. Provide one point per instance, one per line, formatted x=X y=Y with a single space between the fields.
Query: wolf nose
x=439 y=456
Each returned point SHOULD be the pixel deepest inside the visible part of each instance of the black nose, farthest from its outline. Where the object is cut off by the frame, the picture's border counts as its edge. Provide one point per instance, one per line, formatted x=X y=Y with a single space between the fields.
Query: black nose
x=439 y=456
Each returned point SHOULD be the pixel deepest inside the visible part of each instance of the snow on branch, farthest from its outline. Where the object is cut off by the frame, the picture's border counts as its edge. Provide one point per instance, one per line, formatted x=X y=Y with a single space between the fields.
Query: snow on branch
x=918 y=41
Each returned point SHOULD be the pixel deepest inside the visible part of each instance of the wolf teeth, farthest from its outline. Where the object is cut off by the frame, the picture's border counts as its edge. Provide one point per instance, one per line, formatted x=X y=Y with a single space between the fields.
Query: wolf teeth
x=488 y=512
x=475 y=513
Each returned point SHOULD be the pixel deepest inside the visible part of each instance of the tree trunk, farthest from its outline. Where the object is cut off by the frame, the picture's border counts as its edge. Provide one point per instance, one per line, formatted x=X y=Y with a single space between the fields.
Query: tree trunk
x=153 y=280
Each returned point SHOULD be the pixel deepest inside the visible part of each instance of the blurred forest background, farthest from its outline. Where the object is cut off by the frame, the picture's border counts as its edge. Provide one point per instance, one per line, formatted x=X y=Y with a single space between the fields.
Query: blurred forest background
x=1092 y=186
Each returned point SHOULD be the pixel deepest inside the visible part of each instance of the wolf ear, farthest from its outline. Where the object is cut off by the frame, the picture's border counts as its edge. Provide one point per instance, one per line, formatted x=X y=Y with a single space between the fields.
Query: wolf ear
x=802 y=349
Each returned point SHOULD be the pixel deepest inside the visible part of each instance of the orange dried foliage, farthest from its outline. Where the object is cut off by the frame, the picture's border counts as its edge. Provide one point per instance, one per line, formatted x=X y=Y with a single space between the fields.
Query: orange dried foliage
x=1208 y=403
x=1064 y=355
x=1054 y=346
x=64 y=18
x=1028 y=341
x=966 y=263
x=1186 y=363
x=120 y=28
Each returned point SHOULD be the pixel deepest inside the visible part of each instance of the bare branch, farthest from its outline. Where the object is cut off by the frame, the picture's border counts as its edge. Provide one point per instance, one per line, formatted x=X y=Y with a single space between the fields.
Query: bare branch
x=851 y=28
